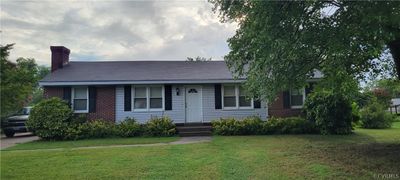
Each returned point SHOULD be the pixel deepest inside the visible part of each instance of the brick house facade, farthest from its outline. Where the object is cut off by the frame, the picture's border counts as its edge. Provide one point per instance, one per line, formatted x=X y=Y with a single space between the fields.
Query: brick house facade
x=278 y=108
x=105 y=101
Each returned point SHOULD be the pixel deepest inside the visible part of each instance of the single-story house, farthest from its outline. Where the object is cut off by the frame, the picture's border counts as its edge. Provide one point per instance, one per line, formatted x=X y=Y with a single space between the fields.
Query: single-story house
x=185 y=91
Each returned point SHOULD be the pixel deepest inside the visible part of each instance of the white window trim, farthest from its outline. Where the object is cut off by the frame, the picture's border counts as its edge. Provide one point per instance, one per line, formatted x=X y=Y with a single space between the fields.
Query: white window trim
x=304 y=98
x=236 y=98
x=73 y=97
x=147 y=109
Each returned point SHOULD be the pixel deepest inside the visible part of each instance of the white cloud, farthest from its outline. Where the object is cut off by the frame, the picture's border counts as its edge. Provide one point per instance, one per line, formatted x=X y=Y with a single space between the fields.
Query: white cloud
x=123 y=30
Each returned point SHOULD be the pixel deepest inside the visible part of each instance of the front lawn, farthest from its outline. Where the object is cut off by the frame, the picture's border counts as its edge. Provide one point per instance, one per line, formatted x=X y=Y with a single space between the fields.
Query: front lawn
x=364 y=155
x=91 y=142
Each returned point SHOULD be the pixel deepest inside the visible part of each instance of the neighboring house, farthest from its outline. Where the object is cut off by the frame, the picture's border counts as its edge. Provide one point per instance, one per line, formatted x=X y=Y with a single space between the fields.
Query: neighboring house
x=395 y=102
x=395 y=106
x=185 y=91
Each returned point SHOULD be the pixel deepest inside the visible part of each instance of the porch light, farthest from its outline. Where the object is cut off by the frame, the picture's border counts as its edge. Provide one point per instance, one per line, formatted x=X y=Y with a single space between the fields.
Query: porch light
x=177 y=91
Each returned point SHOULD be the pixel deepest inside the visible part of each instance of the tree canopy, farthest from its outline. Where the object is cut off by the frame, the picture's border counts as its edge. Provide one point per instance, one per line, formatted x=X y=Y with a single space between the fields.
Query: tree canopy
x=18 y=81
x=280 y=43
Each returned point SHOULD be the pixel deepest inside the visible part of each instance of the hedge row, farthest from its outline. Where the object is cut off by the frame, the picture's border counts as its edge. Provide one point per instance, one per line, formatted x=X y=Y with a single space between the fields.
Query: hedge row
x=53 y=119
x=157 y=126
x=255 y=126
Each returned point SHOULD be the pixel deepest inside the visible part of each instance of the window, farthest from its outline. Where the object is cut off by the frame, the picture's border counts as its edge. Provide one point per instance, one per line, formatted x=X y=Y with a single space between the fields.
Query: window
x=234 y=97
x=140 y=98
x=229 y=96
x=243 y=100
x=80 y=99
x=156 y=97
x=148 y=98
x=297 y=98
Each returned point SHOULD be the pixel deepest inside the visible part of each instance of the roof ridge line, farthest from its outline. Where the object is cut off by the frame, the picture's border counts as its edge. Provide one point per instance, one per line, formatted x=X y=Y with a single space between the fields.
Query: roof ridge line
x=93 y=61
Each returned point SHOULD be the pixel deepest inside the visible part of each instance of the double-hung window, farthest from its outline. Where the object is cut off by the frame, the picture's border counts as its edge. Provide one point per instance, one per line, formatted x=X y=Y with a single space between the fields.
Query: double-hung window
x=297 y=97
x=230 y=97
x=140 y=98
x=243 y=100
x=234 y=97
x=156 y=98
x=146 y=98
x=80 y=96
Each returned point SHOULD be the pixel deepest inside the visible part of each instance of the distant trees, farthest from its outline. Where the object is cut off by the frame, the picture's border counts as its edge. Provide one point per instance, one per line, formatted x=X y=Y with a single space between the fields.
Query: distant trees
x=198 y=58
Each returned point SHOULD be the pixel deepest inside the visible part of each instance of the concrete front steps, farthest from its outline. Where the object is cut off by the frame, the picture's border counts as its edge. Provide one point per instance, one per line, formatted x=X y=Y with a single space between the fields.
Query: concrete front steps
x=194 y=129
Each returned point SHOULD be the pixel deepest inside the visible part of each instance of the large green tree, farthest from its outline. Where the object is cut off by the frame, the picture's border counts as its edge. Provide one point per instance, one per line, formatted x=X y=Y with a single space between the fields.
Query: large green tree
x=280 y=43
x=18 y=81
x=37 y=94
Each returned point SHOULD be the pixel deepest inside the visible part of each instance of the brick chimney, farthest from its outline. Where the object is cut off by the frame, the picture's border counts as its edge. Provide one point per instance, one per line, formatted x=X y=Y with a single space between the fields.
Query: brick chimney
x=59 y=57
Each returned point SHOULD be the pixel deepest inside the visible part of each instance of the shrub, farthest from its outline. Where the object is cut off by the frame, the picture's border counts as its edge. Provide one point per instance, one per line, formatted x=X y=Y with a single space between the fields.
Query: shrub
x=250 y=125
x=160 y=126
x=91 y=129
x=302 y=126
x=80 y=131
x=50 y=119
x=129 y=128
x=254 y=125
x=375 y=116
x=331 y=112
x=79 y=119
x=100 y=128
x=226 y=127
x=290 y=125
x=273 y=126
x=396 y=119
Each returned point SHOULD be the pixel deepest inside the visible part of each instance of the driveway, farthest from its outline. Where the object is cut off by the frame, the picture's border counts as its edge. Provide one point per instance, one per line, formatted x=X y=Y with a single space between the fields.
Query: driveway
x=18 y=138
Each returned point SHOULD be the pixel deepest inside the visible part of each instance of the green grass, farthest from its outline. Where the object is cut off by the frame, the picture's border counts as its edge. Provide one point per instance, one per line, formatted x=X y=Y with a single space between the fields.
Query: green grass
x=363 y=155
x=90 y=142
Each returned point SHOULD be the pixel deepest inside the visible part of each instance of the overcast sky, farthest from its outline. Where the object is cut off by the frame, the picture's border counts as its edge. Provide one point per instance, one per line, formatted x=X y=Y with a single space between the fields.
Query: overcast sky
x=117 y=30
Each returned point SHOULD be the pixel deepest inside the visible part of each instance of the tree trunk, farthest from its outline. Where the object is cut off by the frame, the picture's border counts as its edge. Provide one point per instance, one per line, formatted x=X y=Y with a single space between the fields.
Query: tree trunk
x=394 y=47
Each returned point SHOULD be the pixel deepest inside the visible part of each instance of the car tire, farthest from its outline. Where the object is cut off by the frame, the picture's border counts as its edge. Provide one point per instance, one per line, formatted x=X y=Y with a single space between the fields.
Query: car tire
x=9 y=133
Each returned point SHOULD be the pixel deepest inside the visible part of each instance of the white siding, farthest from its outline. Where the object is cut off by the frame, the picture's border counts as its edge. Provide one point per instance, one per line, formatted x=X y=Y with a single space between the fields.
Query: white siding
x=210 y=113
x=396 y=101
x=177 y=114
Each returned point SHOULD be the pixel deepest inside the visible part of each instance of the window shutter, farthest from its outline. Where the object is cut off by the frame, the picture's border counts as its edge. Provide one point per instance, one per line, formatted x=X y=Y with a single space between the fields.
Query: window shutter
x=286 y=99
x=309 y=88
x=218 y=98
x=257 y=104
x=92 y=99
x=127 y=98
x=168 y=97
x=67 y=95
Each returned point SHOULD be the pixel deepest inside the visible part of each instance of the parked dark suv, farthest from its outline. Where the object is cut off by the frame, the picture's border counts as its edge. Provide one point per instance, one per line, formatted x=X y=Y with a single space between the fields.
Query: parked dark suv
x=16 y=123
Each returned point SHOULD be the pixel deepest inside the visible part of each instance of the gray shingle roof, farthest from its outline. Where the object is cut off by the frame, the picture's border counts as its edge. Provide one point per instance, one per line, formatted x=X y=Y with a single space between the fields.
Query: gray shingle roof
x=110 y=71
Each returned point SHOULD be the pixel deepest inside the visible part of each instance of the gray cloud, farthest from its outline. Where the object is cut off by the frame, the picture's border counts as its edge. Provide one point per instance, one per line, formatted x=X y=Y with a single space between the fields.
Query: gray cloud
x=123 y=30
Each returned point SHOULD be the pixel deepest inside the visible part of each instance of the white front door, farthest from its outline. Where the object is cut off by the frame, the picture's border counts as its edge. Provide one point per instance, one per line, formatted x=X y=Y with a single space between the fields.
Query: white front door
x=194 y=110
